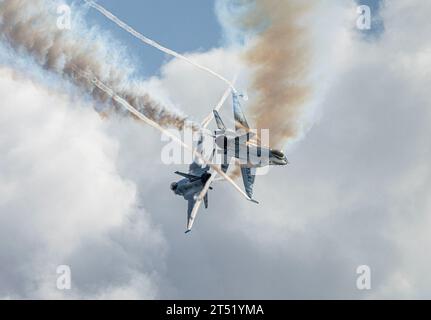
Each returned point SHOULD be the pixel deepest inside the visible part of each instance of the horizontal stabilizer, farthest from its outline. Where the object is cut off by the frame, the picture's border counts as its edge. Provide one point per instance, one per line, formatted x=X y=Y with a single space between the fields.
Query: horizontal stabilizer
x=186 y=175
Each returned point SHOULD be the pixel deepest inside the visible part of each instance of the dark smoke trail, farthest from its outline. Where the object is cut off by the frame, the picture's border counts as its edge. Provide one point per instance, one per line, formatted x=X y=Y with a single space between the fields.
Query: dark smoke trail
x=279 y=58
x=30 y=26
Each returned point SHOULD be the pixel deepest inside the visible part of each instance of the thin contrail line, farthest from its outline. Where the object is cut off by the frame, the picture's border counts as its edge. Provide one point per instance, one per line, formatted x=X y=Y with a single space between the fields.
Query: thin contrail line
x=209 y=118
x=155 y=125
x=152 y=43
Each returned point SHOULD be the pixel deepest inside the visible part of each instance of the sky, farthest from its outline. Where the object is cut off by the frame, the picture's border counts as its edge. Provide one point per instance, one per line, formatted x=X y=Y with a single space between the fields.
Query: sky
x=92 y=193
x=377 y=25
x=184 y=28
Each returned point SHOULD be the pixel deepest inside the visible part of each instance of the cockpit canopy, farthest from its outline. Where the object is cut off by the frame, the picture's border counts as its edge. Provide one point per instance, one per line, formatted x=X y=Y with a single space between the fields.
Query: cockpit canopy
x=279 y=154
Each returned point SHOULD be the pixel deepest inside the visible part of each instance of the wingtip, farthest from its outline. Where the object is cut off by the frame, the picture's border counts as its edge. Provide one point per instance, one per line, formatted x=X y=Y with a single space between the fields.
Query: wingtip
x=254 y=201
x=188 y=231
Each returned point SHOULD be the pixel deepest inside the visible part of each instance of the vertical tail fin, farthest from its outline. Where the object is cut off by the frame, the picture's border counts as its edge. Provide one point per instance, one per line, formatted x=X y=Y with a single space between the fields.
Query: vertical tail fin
x=206 y=201
x=219 y=121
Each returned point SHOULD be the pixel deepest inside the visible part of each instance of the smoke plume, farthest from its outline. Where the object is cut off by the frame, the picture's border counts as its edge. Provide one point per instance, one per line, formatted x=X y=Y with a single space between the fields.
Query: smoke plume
x=279 y=57
x=31 y=27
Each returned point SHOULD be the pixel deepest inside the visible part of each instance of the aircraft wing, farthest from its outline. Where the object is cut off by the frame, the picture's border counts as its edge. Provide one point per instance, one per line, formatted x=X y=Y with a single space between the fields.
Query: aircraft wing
x=192 y=210
x=248 y=177
x=240 y=120
x=196 y=201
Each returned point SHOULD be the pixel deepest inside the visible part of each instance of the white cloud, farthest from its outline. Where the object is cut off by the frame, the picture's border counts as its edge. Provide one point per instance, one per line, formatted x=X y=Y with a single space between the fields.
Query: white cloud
x=62 y=195
x=356 y=191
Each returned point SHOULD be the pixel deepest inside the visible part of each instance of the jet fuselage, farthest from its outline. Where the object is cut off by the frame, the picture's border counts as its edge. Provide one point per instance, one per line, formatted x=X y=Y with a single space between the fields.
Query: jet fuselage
x=249 y=155
x=189 y=188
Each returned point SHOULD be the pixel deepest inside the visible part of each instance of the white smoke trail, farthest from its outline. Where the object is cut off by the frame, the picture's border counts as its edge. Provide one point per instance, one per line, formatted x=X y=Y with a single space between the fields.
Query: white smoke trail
x=28 y=27
x=110 y=92
x=210 y=117
x=154 y=44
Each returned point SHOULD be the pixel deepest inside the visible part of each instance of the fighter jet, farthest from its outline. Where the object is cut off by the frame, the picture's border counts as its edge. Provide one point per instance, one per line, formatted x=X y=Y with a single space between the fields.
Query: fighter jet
x=197 y=182
x=238 y=145
x=191 y=187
